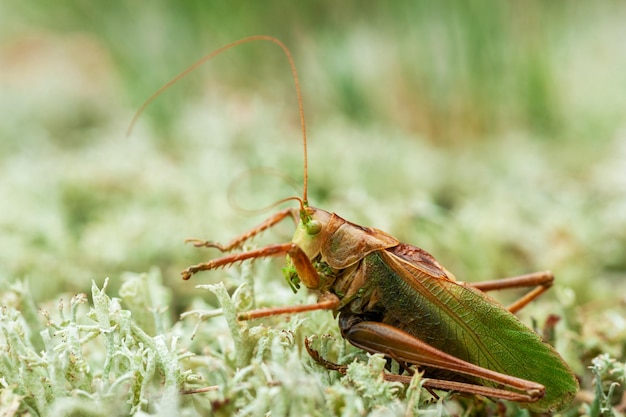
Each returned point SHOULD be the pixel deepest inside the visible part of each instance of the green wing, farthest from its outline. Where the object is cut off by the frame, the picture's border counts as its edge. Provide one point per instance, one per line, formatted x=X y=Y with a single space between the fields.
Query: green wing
x=466 y=323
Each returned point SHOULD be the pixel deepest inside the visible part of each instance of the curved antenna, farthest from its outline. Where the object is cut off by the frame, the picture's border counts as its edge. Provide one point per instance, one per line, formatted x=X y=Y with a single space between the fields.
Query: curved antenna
x=213 y=54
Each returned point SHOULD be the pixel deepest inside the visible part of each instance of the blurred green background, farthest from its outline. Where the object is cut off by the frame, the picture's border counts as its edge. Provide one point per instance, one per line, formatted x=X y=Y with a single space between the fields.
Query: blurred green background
x=491 y=134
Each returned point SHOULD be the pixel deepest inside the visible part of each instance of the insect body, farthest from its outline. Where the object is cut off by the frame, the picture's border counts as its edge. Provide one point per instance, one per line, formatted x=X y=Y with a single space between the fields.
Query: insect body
x=396 y=299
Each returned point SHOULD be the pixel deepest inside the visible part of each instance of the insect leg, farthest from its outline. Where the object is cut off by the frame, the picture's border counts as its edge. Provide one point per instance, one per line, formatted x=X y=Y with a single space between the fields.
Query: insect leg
x=305 y=269
x=465 y=388
x=239 y=240
x=428 y=383
x=327 y=301
x=315 y=355
x=542 y=281
x=376 y=337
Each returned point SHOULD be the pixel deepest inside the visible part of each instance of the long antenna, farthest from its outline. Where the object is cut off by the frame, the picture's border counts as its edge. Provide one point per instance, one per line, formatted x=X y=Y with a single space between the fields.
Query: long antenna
x=213 y=54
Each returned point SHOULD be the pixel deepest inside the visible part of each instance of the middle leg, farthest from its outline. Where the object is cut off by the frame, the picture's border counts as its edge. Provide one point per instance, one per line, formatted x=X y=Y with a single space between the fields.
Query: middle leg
x=542 y=281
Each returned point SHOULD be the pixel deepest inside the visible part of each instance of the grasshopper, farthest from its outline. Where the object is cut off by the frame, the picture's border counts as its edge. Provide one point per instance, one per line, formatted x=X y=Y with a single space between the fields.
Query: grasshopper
x=396 y=299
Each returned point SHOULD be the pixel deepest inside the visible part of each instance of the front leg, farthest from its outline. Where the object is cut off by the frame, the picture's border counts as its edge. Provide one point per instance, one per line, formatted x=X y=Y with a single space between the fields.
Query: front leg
x=304 y=268
x=241 y=239
x=270 y=250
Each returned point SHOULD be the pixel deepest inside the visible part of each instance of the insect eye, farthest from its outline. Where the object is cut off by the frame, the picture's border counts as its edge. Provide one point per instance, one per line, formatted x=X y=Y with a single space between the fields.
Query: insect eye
x=313 y=227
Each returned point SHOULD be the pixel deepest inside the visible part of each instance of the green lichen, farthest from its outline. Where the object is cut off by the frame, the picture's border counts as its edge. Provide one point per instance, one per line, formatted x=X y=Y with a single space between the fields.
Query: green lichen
x=489 y=134
x=99 y=361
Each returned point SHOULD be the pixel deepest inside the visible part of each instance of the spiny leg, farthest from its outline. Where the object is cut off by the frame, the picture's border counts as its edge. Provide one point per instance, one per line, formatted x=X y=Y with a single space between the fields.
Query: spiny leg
x=343 y=369
x=542 y=281
x=270 y=250
x=239 y=240
x=304 y=268
x=315 y=355
x=428 y=383
x=376 y=337
x=303 y=265
x=327 y=301
x=463 y=387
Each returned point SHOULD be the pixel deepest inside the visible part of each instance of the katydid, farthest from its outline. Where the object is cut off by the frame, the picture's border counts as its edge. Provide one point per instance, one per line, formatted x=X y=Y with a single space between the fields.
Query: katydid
x=396 y=299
